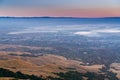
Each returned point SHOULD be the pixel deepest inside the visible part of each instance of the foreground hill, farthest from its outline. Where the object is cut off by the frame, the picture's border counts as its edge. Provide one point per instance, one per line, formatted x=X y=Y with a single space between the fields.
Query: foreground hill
x=44 y=65
x=53 y=67
x=70 y=75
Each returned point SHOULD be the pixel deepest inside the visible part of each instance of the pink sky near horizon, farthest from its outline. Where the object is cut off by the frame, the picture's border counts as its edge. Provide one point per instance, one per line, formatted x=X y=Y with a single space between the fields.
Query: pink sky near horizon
x=60 y=8
x=62 y=12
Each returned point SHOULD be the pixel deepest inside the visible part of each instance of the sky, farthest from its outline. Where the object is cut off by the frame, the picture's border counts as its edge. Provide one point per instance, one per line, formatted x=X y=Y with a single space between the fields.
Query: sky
x=60 y=8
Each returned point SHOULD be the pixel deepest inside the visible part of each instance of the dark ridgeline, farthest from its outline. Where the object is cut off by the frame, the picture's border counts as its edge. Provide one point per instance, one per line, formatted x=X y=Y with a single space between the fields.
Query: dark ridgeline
x=71 y=75
x=17 y=75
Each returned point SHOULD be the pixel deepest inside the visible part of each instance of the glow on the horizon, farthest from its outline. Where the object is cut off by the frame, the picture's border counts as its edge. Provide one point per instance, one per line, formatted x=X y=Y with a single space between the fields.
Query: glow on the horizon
x=58 y=8
x=63 y=13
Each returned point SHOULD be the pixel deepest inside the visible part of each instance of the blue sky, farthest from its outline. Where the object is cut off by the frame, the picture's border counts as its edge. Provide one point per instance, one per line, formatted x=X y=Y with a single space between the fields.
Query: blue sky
x=79 y=8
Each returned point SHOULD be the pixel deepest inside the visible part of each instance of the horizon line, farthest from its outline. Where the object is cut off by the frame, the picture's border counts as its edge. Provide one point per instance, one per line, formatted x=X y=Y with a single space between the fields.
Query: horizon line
x=53 y=17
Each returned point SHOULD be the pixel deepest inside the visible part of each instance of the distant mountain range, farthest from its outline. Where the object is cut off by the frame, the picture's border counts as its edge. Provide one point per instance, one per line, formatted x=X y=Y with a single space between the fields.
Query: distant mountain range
x=64 y=17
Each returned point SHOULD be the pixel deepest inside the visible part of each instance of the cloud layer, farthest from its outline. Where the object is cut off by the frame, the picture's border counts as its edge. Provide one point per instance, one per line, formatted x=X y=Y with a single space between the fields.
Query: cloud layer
x=98 y=32
x=89 y=30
